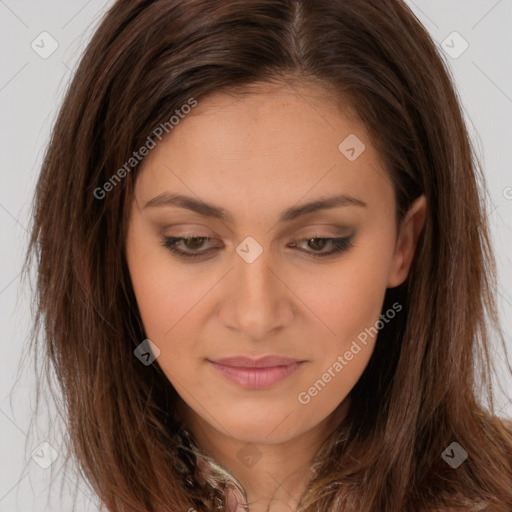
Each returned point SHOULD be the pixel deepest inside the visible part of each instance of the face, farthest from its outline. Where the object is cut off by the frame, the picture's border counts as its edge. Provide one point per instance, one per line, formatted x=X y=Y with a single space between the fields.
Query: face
x=258 y=273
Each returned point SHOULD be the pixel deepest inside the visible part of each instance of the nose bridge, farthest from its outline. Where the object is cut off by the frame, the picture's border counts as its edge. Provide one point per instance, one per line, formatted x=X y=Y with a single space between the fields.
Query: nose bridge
x=257 y=302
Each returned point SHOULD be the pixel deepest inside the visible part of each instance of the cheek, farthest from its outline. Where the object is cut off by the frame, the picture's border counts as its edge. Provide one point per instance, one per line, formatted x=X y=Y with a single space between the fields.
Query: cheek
x=348 y=303
x=167 y=311
x=347 y=296
x=157 y=288
x=171 y=298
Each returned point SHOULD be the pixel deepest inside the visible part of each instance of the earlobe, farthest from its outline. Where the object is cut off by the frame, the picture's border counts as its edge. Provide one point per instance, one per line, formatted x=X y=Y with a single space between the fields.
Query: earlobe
x=407 y=240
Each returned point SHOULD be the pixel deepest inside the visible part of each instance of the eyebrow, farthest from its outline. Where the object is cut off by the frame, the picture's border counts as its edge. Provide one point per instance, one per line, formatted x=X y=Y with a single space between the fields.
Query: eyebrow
x=216 y=212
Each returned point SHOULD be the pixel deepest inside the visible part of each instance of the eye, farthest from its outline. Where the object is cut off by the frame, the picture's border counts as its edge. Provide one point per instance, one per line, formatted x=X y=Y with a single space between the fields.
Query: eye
x=338 y=245
x=192 y=243
x=192 y=246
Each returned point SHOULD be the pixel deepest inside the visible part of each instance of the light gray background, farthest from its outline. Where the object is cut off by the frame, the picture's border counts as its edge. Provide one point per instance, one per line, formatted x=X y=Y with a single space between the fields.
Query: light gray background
x=31 y=89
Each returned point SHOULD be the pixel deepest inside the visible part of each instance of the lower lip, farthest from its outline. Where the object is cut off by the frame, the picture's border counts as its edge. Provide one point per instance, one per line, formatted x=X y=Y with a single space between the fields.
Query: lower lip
x=256 y=378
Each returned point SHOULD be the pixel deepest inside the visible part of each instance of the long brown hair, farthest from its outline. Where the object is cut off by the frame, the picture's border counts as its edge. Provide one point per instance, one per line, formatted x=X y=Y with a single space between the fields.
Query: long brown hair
x=421 y=389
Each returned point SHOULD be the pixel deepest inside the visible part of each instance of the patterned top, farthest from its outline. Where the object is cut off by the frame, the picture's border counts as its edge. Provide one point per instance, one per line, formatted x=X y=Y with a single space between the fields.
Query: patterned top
x=227 y=494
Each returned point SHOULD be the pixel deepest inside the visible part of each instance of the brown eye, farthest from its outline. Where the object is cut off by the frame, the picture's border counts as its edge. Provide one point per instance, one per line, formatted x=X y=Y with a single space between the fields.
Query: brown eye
x=338 y=244
x=191 y=244
x=316 y=243
x=194 y=243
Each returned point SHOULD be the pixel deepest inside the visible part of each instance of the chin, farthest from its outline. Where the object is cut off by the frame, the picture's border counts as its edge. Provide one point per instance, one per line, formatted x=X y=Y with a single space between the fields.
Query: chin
x=272 y=429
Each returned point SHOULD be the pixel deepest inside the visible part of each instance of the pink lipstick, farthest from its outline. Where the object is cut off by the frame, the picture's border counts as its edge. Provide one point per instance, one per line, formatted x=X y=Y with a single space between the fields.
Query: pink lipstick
x=256 y=373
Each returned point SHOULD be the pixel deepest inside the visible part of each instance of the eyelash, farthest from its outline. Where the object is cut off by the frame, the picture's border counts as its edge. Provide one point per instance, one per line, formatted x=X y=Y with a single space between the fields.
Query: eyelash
x=340 y=245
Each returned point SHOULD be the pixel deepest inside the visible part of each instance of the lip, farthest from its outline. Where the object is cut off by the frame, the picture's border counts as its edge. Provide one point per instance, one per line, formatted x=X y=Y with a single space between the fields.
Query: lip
x=256 y=373
x=260 y=362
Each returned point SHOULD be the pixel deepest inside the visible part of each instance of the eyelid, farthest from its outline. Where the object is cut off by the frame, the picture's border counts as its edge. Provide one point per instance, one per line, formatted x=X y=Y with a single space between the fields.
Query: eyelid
x=313 y=231
x=341 y=245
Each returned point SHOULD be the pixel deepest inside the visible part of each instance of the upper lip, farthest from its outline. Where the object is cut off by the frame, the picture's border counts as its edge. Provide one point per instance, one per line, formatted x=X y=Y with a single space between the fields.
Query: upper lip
x=262 y=362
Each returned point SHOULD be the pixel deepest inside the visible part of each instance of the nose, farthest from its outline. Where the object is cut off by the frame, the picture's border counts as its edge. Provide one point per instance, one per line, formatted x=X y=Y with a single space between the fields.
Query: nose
x=256 y=300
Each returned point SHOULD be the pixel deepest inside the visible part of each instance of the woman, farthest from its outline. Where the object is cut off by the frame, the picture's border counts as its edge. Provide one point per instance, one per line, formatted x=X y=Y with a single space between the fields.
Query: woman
x=264 y=267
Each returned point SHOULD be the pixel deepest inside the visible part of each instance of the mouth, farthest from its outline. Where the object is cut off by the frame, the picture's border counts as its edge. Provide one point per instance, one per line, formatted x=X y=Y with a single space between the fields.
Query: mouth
x=256 y=373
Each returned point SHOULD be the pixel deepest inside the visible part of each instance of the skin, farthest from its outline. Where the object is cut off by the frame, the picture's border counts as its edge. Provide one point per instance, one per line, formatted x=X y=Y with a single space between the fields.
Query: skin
x=256 y=155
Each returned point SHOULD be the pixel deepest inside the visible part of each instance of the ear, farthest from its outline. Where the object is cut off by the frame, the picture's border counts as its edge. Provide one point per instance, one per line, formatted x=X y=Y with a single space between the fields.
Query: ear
x=408 y=234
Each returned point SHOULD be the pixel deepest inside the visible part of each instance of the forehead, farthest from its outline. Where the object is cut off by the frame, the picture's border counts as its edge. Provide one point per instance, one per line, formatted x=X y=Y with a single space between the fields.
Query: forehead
x=270 y=144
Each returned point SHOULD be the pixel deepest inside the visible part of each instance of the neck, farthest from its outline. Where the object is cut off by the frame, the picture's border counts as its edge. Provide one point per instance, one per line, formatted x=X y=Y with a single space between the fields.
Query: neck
x=274 y=476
